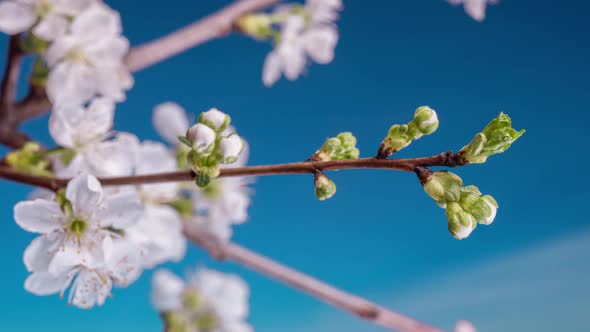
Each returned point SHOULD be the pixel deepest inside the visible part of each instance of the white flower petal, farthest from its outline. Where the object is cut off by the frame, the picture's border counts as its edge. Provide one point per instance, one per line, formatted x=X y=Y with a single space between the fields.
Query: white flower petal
x=69 y=7
x=85 y=193
x=89 y=289
x=170 y=121
x=51 y=27
x=71 y=82
x=123 y=264
x=40 y=252
x=120 y=209
x=96 y=22
x=39 y=216
x=227 y=293
x=45 y=283
x=113 y=157
x=271 y=72
x=320 y=43
x=167 y=291
x=16 y=17
x=153 y=157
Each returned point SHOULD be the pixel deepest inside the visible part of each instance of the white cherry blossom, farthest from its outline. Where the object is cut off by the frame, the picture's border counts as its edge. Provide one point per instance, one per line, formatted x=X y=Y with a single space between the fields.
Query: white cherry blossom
x=47 y=18
x=88 y=60
x=223 y=299
x=85 y=131
x=231 y=146
x=159 y=230
x=474 y=8
x=80 y=239
x=299 y=42
x=464 y=326
x=214 y=118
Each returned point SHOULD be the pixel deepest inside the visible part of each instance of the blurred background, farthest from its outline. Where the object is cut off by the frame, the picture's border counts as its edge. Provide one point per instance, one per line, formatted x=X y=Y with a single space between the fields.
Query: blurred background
x=380 y=236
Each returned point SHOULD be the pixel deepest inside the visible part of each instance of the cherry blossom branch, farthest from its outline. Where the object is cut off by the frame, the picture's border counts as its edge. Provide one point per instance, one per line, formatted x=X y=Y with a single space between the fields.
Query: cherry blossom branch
x=138 y=58
x=210 y=27
x=348 y=302
x=448 y=159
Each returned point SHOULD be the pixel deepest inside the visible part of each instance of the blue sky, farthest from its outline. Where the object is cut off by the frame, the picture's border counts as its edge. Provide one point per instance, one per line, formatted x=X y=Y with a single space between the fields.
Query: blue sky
x=380 y=236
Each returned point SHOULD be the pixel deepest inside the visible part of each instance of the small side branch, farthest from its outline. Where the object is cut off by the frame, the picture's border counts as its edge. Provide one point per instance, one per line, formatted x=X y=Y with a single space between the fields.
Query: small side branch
x=10 y=81
x=210 y=27
x=329 y=294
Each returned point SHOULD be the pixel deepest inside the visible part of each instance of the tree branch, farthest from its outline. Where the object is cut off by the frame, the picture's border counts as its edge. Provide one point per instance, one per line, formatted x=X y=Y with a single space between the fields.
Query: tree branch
x=138 y=58
x=448 y=159
x=348 y=302
x=212 y=26
x=10 y=81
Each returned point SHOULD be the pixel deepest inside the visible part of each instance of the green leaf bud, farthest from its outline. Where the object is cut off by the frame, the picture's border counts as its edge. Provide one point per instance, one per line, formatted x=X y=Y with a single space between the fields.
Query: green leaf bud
x=324 y=187
x=443 y=187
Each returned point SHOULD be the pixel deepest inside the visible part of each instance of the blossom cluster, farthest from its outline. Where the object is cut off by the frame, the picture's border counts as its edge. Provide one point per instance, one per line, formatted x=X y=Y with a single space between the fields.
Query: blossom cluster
x=474 y=8
x=209 y=301
x=79 y=44
x=299 y=32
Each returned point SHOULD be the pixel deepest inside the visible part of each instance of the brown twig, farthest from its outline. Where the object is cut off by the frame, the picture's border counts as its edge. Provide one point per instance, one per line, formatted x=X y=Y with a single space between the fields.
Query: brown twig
x=447 y=159
x=348 y=302
x=212 y=26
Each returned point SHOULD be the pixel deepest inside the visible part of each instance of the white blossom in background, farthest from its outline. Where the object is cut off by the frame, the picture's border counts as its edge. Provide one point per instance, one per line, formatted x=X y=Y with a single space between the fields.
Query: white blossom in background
x=48 y=19
x=210 y=301
x=474 y=8
x=464 y=326
x=225 y=201
x=159 y=230
x=81 y=243
x=85 y=131
x=302 y=39
x=88 y=60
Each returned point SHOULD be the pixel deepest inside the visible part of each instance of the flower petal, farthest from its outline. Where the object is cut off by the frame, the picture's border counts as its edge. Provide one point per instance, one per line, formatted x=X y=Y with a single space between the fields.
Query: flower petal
x=40 y=252
x=167 y=291
x=120 y=209
x=170 y=121
x=16 y=17
x=115 y=157
x=51 y=27
x=45 y=283
x=85 y=193
x=39 y=216
x=271 y=72
x=90 y=288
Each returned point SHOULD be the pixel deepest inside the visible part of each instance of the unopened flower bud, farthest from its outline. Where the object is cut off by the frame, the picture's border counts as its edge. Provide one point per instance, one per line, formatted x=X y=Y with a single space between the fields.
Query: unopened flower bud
x=230 y=148
x=256 y=25
x=324 y=187
x=331 y=145
x=460 y=222
x=495 y=138
x=426 y=120
x=347 y=139
x=201 y=138
x=443 y=187
x=215 y=119
x=493 y=207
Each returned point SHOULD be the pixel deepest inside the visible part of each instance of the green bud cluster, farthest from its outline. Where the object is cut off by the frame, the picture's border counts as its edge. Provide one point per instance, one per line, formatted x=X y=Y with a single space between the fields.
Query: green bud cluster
x=324 y=187
x=495 y=138
x=208 y=147
x=193 y=316
x=465 y=206
x=29 y=159
x=39 y=74
x=425 y=122
x=340 y=147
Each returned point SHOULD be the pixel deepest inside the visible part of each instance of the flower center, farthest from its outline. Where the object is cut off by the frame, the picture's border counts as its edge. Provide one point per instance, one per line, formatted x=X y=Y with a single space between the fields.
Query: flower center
x=77 y=227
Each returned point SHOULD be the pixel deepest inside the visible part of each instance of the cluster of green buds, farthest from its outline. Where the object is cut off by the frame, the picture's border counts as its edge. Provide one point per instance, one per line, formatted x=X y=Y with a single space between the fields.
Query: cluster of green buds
x=465 y=206
x=425 y=122
x=495 y=138
x=193 y=316
x=209 y=147
x=29 y=159
x=341 y=147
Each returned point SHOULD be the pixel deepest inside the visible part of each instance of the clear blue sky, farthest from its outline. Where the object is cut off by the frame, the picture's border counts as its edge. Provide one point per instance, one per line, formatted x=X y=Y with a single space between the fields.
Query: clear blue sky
x=380 y=236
